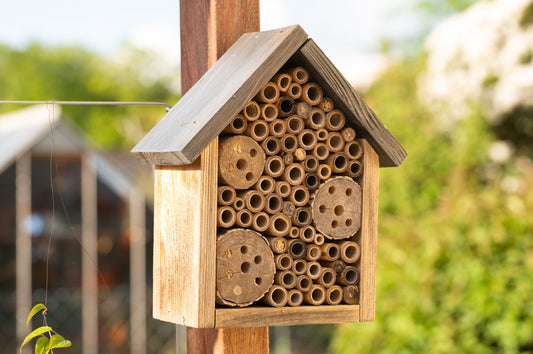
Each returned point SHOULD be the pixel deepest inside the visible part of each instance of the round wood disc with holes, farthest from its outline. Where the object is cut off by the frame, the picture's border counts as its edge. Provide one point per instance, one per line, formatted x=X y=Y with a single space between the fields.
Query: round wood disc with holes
x=241 y=161
x=336 y=208
x=245 y=267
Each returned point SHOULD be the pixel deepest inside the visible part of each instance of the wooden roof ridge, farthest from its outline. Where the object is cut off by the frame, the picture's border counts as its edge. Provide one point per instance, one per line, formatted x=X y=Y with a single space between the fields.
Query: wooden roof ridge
x=208 y=107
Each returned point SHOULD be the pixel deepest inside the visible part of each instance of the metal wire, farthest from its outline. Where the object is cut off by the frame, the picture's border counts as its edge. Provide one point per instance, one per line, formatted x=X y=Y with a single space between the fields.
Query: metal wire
x=92 y=103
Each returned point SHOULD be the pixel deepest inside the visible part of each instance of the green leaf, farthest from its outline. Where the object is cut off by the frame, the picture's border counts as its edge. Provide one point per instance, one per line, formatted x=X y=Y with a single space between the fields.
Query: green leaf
x=34 y=310
x=35 y=333
x=57 y=341
x=42 y=345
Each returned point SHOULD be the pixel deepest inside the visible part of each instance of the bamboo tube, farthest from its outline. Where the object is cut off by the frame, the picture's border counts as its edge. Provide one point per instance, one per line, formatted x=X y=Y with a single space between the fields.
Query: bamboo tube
x=297 y=248
x=271 y=145
x=312 y=93
x=327 y=277
x=273 y=203
x=279 y=225
x=289 y=143
x=355 y=168
x=277 y=128
x=265 y=184
x=299 y=74
x=322 y=134
x=307 y=139
x=319 y=239
x=253 y=200
x=295 y=297
x=299 y=195
x=278 y=244
x=349 y=276
x=307 y=233
x=335 y=142
x=283 y=188
x=299 y=154
x=238 y=204
x=257 y=130
x=244 y=218
x=350 y=295
x=285 y=278
x=283 y=81
x=353 y=150
x=226 y=216
x=274 y=166
x=326 y=104
x=283 y=261
x=303 y=109
x=348 y=134
x=295 y=124
x=321 y=151
x=251 y=111
x=288 y=158
x=268 y=94
x=226 y=195
x=294 y=91
x=277 y=296
x=323 y=171
x=313 y=253
x=303 y=282
x=311 y=181
x=350 y=251
x=335 y=120
x=313 y=270
x=269 y=111
x=294 y=174
x=338 y=162
x=334 y=295
x=330 y=251
x=288 y=208
x=260 y=221
x=299 y=267
x=285 y=106
x=317 y=119
x=310 y=163
x=294 y=232
x=302 y=217
x=338 y=266
x=237 y=125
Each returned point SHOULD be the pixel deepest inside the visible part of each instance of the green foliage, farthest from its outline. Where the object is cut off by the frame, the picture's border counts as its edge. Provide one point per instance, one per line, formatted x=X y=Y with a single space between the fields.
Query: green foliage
x=455 y=247
x=527 y=16
x=70 y=73
x=44 y=344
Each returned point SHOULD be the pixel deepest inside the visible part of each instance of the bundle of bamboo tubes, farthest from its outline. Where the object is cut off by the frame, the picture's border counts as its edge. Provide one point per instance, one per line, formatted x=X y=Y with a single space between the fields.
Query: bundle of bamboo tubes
x=289 y=169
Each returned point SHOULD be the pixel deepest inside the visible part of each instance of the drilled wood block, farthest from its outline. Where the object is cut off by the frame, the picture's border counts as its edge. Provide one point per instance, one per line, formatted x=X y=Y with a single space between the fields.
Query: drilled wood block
x=241 y=161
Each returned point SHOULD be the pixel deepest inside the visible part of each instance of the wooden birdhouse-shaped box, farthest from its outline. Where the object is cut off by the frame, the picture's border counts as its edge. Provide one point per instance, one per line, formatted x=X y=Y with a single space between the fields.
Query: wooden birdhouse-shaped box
x=266 y=191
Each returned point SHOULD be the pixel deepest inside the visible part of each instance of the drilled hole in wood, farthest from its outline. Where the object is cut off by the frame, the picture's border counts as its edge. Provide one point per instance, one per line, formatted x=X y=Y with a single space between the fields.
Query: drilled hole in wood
x=331 y=190
x=249 y=176
x=242 y=164
x=322 y=209
x=258 y=259
x=253 y=152
x=258 y=281
x=244 y=249
x=348 y=222
x=245 y=267
x=351 y=276
x=334 y=224
x=338 y=210
x=349 y=192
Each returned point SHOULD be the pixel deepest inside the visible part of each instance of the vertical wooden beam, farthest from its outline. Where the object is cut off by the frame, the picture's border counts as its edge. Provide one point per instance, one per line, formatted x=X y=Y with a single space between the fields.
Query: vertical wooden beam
x=23 y=244
x=208 y=29
x=369 y=233
x=89 y=258
x=137 y=271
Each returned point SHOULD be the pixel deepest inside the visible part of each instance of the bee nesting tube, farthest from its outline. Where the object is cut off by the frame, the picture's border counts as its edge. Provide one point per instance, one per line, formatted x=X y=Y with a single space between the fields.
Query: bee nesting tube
x=277 y=128
x=334 y=142
x=327 y=277
x=253 y=200
x=260 y=221
x=265 y=184
x=302 y=217
x=294 y=232
x=316 y=295
x=338 y=162
x=271 y=145
x=334 y=295
x=299 y=195
x=297 y=249
x=350 y=295
x=285 y=278
x=288 y=208
x=285 y=106
x=283 y=81
x=279 y=225
x=349 y=276
x=245 y=267
x=295 y=91
x=289 y=143
x=303 y=283
x=258 y=130
x=307 y=234
x=348 y=134
x=307 y=139
x=226 y=195
x=299 y=267
x=355 y=168
x=323 y=171
x=283 y=188
x=335 y=120
x=312 y=93
x=313 y=253
x=300 y=154
x=330 y=252
x=237 y=125
x=241 y=161
x=316 y=119
x=278 y=244
x=226 y=216
x=251 y=111
x=311 y=181
x=295 y=125
x=326 y=104
x=294 y=174
x=295 y=297
x=274 y=166
x=319 y=239
x=302 y=110
x=288 y=158
x=299 y=74
x=244 y=218
x=310 y=163
x=353 y=150
x=322 y=134
x=269 y=111
x=238 y=204
x=321 y=151
x=268 y=94
x=277 y=296
x=273 y=203
x=283 y=261
x=338 y=266
x=350 y=251
x=313 y=270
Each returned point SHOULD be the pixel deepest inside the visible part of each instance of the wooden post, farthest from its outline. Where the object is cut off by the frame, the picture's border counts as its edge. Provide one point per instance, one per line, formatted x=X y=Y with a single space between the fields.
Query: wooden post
x=89 y=257
x=208 y=29
x=23 y=244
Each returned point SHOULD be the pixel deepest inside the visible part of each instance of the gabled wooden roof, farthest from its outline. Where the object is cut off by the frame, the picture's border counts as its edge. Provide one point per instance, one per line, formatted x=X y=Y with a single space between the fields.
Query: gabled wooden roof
x=209 y=106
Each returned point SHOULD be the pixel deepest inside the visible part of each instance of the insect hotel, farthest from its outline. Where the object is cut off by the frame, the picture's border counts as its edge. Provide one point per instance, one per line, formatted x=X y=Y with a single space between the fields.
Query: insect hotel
x=266 y=191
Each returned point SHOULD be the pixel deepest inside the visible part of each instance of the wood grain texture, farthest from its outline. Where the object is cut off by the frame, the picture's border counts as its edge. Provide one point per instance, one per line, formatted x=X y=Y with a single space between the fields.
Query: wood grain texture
x=286 y=316
x=369 y=232
x=242 y=341
x=208 y=107
x=357 y=112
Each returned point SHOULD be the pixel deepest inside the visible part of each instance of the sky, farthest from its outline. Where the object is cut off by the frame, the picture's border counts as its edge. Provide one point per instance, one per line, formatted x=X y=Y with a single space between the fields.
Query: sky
x=348 y=31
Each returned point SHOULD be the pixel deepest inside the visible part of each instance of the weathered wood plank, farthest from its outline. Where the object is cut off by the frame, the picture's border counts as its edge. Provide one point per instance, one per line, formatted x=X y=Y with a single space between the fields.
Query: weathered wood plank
x=357 y=112
x=369 y=233
x=242 y=340
x=286 y=316
x=218 y=96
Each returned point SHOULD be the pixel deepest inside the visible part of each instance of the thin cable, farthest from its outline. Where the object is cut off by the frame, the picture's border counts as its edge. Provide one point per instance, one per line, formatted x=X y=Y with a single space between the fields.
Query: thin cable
x=92 y=103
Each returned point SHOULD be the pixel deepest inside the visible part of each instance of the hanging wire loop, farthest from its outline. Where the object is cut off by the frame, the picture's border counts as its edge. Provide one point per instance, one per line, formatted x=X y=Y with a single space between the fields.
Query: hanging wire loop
x=93 y=103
